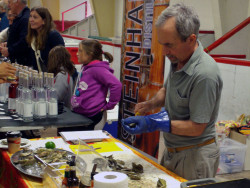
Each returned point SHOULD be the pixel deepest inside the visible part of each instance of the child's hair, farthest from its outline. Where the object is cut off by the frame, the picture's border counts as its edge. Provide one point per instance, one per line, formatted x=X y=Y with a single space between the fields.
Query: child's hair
x=59 y=61
x=94 y=49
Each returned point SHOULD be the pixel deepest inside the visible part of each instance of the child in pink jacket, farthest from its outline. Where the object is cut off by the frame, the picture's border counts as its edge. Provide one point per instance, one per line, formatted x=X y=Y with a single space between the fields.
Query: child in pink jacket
x=94 y=82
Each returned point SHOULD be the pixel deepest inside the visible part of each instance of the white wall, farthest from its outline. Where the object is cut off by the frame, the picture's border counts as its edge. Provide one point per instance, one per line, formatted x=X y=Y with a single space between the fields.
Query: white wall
x=119 y=5
x=35 y=3
x=221 y=16
x=203 y=9
x=77 y=13
x=235 y=94
x=233 y=13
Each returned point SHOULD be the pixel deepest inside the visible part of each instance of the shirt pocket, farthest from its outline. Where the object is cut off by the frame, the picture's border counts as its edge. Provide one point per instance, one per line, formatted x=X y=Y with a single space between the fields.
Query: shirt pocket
x=180 y=100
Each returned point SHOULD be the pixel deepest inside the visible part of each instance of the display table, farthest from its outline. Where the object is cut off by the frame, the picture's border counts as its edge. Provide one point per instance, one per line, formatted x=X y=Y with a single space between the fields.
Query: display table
x=10 y=177
x=66 y=119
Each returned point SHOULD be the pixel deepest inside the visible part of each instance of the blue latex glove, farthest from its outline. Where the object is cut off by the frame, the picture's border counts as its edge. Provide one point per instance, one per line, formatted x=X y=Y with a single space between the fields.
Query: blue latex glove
x=141 y=124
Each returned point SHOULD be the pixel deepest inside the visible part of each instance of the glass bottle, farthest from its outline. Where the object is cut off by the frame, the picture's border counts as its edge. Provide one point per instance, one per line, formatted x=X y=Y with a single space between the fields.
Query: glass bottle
x=30 y=79
x=73 y=181
x=46 y=86
x=40 y=102
x=3 y=91
x=26 y=68
x=27 y=100
x=12 y=95
x=52 y=97
x=33 y=91
x=19 y=95
x=65 y=179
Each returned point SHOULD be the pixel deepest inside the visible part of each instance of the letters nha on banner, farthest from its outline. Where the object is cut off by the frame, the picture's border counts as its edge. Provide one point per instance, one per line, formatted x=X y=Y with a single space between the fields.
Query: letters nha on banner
x=142 y=66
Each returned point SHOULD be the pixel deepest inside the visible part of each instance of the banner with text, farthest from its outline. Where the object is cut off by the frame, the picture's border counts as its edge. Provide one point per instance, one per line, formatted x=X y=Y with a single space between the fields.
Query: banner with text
x=142 y=66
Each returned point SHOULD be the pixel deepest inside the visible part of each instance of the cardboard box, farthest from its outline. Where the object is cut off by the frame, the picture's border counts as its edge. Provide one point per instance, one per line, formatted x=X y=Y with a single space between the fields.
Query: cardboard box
x=238 y=136
x=244 y=139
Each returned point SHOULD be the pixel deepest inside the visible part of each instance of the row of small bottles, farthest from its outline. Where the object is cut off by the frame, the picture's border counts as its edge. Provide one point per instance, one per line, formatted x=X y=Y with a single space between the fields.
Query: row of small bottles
x=70 y=179
x=33 y=96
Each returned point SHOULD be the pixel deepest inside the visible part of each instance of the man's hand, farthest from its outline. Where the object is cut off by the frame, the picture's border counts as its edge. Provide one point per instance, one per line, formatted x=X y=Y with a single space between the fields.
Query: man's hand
x=6 y=81
x=156 y=102
x=4 y=51
x=142 y=108
x=3 y=44
x=141 y=124
x=7 y=70
x=2 y=81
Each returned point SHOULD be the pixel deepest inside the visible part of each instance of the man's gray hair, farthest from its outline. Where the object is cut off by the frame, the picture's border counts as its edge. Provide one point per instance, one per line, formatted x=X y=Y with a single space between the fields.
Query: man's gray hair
x=186 y=20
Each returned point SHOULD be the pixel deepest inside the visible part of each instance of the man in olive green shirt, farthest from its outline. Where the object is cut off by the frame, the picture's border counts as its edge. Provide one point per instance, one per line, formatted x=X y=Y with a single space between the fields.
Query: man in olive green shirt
x=191 y=97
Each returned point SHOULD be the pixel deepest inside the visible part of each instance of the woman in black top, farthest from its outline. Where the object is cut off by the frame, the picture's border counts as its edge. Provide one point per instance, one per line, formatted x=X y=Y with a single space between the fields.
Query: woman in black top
x=42 y=37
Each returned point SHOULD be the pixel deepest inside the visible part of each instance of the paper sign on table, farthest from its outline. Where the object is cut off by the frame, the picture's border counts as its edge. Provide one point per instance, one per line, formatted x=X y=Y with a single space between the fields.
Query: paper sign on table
x=87 y=136
x=104 y=147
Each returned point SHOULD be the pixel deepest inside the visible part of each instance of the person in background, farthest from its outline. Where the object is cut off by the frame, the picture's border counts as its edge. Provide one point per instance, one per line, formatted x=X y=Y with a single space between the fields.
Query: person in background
x=6 y=70
x=94 y=82
x=65 y=73
x=5 y=33
x=42 y=37
x=4 y=23
x=17 y=49
x=191 y=97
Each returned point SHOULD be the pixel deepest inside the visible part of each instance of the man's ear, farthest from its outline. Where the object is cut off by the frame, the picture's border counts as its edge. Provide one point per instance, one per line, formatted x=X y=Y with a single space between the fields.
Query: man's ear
x=192 y=38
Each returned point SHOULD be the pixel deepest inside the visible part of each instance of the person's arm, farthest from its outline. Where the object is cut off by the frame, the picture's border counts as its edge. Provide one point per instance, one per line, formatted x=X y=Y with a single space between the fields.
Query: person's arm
x=4 y=35
x=19 y=47
x=187 y=128
x=157 y=101
x=108 y=79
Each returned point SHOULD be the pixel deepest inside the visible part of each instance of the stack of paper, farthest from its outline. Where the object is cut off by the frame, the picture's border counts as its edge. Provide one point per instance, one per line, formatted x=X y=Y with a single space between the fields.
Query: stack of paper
x=87 y=136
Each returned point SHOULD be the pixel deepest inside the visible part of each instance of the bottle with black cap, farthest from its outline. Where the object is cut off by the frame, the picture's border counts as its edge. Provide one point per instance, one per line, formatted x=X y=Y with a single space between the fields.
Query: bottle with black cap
x=73 y=181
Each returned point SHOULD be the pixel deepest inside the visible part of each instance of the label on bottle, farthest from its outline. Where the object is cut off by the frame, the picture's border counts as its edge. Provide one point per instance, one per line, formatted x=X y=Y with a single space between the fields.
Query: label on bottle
x=41 y=109
x=21 y=108
x=3 y=92
x=47 y=107
x=27 y=110
x=33 y=108
x=35 y=104
x=17 y=106
x=12 y=104
x=53 y=109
